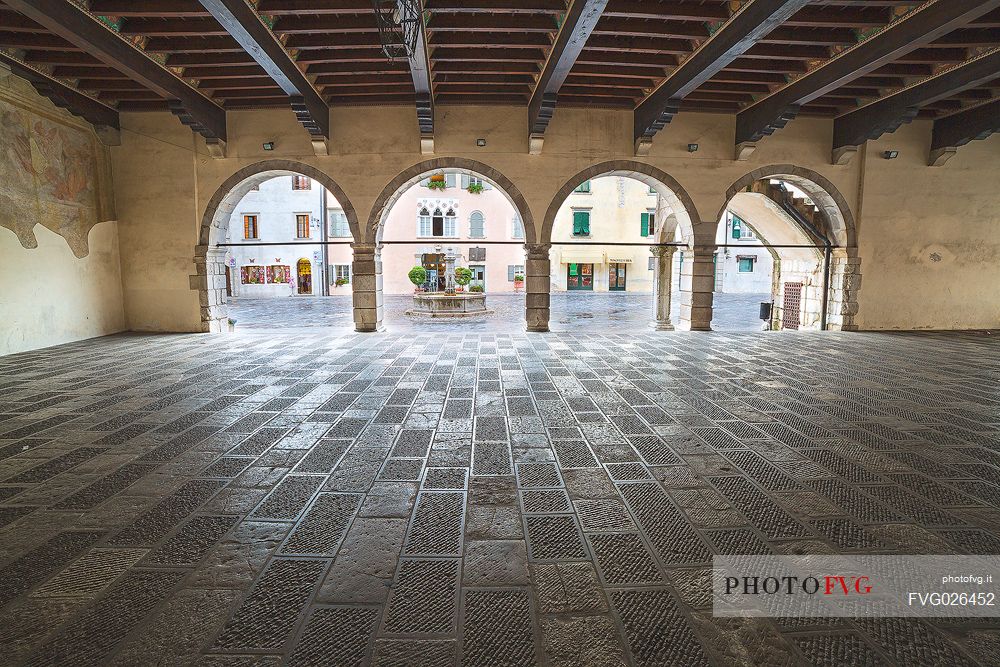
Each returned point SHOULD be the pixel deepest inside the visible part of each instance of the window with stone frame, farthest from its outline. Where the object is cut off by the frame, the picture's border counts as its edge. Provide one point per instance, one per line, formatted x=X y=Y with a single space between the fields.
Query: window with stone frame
x=301 y=225
x=250 y=231
x=301 y=182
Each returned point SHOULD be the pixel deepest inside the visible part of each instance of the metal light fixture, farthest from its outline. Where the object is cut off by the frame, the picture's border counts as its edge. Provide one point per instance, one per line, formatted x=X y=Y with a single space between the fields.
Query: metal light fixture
x=890 y=155
x=398 y=24
x=692 y=148
x=480 y=142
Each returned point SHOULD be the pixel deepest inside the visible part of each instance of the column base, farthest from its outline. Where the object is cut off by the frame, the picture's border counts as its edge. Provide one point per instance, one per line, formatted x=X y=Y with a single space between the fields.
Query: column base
x=701 y=327
x=368 y=328
x=537 y=328
x=662 y=326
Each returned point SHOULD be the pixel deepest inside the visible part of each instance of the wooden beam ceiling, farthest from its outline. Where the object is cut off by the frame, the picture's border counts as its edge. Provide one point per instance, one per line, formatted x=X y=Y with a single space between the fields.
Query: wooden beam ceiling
x=102 y=117
x=86 y=32
x=951 y=132
x=579 y=22
x=747 y=26
x=241 y=21
x=921 y=26
x=888 y=113
x=420 y=73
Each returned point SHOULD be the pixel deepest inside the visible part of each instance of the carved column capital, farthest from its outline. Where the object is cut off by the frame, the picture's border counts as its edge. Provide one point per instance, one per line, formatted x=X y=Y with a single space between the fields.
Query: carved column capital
x=537 y=250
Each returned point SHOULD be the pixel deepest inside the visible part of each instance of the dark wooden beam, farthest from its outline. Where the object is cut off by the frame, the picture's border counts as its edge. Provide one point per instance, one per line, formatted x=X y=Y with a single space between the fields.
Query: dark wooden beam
x=743 y=29
x=420 y=72
x=243 y=23
x=956 y=130
x=579 y=22
x=86 y=32
x=908 y=33
x=888 y=113
x=102 y=117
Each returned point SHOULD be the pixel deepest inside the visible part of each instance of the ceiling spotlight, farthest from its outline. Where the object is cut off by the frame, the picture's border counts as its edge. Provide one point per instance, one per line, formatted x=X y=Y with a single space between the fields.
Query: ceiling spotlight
x=269 y=145
x=480 y=142
x=890 y=155
x=692 y=148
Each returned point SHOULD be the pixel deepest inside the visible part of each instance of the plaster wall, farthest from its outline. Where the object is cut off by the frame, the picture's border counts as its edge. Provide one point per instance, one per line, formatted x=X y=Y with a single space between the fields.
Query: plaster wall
x=50 y=296
x=162 y=161
x=930 y=236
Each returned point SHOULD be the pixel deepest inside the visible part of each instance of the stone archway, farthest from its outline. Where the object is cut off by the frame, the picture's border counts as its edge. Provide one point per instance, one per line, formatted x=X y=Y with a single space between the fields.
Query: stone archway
x=677 y=212
x=841 y=275
x=681 y=203
x=209 y=259
x=392 y=191
x=367 y=267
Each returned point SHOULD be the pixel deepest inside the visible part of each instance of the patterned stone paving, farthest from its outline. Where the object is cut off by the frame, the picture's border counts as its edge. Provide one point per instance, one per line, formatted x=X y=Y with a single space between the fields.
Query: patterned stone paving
x=453 y=498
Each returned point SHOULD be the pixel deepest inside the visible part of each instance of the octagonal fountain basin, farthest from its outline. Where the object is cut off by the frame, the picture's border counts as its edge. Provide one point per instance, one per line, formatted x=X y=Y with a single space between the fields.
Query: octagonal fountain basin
x=439 y=304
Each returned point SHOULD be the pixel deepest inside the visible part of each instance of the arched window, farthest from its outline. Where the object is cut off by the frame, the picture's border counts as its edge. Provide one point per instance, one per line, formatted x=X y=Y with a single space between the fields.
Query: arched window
x=450 y=227
x=424 y=223
x=517 y=228
x=477 y=225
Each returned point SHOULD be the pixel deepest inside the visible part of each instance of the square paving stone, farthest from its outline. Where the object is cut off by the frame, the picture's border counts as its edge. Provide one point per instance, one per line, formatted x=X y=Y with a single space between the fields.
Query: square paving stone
x=424 y=598
x=545 y=501
x=324 y=525
x=437 y=525
x=498 y=623
x=336 y=636
x=554 y=538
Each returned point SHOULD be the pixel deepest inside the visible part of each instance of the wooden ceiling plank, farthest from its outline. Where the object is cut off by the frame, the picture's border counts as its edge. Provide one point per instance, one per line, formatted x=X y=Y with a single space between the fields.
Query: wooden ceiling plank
x=86 y=32
x=752 y=22
x=952 y=132
x=887 y=113
x=242 y=22
x=579 y=22
x=920 y=26
x=102 y=117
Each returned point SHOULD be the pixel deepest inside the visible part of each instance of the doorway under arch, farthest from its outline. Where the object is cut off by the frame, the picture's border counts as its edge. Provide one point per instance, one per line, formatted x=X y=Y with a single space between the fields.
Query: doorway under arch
x=805 y=224
x=304 y=277
x=210 y=253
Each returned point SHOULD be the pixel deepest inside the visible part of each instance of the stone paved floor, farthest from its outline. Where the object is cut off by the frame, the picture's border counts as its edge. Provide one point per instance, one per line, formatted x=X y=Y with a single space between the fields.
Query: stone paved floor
x=479 y=499
x=602 y=312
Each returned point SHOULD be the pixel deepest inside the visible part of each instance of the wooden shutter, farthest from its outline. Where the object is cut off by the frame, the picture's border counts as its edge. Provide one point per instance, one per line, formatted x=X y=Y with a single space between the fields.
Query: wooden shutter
x=449 y=180
x=644 y=224
x=510 y=273
x=581 y=223
x=465 y=181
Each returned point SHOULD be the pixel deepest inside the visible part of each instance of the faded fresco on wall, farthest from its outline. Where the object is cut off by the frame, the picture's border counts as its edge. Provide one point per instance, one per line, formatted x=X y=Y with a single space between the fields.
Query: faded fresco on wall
x=50 y=175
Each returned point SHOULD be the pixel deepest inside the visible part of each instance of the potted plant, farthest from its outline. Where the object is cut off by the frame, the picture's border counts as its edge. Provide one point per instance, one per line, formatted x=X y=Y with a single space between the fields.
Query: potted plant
x=340 y=282
x=518 y=281
x=417 y=276
x=477 y=288
x=475 y=188
x=437 y=182
x=232 y=324
x=463 y=277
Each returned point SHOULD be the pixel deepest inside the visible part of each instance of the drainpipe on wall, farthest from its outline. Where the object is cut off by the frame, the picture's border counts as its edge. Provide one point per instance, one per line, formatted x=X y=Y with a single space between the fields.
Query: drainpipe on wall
x=324 y=271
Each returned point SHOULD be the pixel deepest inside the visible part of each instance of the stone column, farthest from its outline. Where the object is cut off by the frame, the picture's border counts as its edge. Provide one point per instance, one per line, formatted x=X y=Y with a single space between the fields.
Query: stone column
x=210 y=281
x=366 y=287
x=662 y=285
x=537 y=270
x=697 y=286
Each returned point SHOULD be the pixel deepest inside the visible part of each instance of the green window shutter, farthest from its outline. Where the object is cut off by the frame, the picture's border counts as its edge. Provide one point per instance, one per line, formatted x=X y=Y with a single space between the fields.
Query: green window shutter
x=737 y=231
x=586 y=223
x=644 y=225
x=581 y=223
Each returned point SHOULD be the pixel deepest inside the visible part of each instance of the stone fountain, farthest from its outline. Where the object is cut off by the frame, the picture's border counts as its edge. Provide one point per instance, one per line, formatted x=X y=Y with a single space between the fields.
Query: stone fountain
x=449 y=303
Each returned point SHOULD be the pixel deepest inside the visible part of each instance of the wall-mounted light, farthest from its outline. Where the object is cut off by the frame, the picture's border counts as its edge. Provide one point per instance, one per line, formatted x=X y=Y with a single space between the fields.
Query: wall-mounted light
x=269 y=145
x=890 y=155
x=692 y=148
x=481 y=142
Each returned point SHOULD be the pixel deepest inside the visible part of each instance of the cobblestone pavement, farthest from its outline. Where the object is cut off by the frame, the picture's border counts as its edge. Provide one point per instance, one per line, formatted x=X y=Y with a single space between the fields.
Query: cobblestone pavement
x=480 y=499
x=602 y=312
